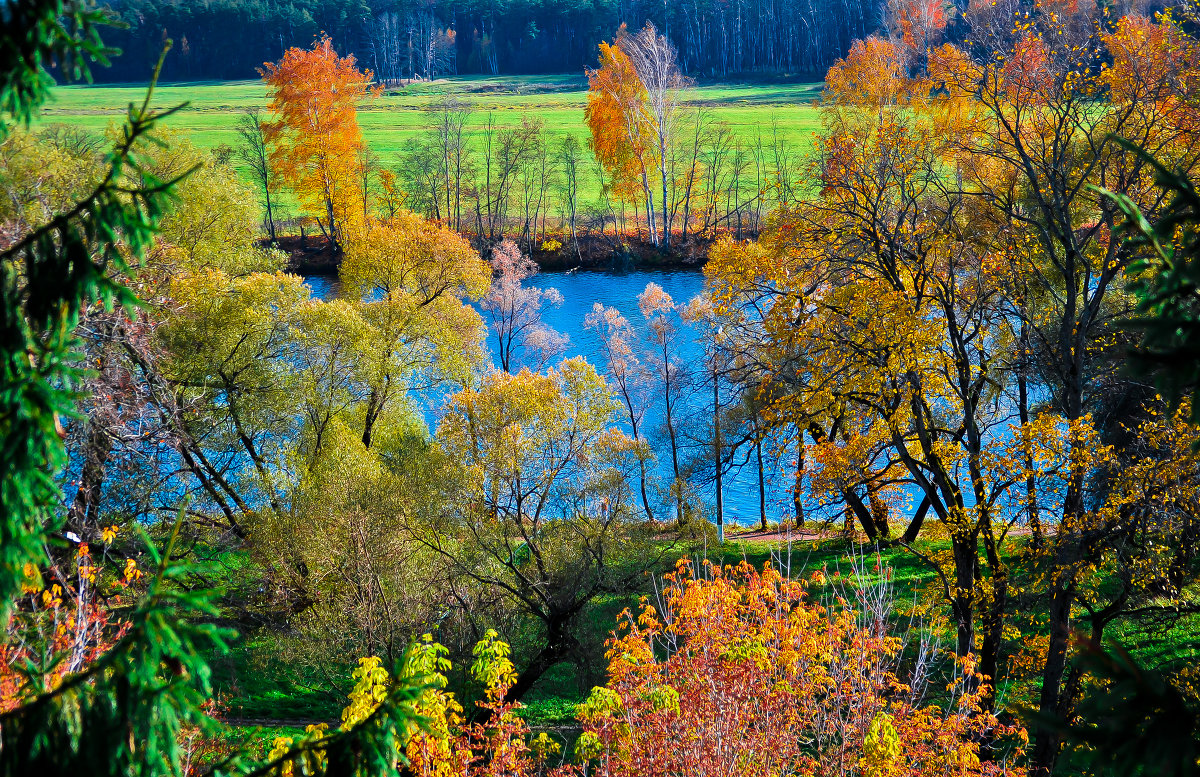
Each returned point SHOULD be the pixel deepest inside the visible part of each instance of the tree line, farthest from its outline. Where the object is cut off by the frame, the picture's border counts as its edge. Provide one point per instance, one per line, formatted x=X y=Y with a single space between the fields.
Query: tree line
x=229 y=39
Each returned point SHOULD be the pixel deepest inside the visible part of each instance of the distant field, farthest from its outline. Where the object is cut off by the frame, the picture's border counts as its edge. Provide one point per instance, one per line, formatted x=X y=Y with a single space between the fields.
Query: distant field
x=390 y=120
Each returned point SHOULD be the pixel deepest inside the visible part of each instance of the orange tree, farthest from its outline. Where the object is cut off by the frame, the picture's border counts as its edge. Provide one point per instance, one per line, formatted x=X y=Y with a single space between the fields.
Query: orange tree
x=316 y=141
x=741 y=672
x=632 y=112
x=616 y=98
x=1031 y=112
x=885 y=331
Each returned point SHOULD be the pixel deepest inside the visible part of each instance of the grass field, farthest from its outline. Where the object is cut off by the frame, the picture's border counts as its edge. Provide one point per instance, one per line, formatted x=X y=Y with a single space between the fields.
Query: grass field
x=390 y=120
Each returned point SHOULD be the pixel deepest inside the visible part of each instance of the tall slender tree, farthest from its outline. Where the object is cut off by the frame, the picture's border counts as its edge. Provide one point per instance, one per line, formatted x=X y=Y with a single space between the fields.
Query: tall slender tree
x=654 y=60
x=255 y=152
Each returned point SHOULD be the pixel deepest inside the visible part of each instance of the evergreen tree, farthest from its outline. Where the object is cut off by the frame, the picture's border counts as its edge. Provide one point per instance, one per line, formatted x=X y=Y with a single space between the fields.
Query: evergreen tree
x=123 y=713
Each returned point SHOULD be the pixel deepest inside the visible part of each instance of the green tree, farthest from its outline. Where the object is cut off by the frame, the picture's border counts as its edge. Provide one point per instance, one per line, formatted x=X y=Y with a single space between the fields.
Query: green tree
x=411 y=279
x=123 y=713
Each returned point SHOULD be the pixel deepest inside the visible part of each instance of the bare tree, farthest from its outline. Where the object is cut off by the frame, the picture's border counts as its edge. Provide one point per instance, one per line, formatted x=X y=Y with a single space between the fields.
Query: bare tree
x=669 y=375
x=688 y=154
x=384 y=40
x=437 y=165
x=534 y=173
x=570 y=155
x=367 y=170
x=654 y=59
x=629 y=378
x=454 y=158
x=714 y=161
x=515 y=311
x=504 y=151
x=254 y=152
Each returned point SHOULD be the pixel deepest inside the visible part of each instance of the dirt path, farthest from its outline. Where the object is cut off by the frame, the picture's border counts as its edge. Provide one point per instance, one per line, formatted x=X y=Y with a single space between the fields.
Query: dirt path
x=785 y=535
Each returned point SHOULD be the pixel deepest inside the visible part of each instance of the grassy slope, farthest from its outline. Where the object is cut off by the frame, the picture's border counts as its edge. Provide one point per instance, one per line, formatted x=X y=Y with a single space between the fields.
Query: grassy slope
x=392 y=119
x=259 y=681
x=281 y=689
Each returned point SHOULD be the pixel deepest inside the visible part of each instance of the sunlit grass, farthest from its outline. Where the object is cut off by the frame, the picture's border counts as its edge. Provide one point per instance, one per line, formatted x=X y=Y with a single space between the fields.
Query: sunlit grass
x=388 y=122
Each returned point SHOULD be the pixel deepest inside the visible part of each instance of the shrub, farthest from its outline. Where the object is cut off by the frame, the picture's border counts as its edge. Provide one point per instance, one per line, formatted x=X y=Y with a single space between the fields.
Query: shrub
x=743 y=673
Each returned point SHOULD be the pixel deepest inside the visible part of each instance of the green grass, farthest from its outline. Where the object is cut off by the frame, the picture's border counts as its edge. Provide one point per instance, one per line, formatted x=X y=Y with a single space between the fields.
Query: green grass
x=255 y=741
x=263 y=678
x=392 y=119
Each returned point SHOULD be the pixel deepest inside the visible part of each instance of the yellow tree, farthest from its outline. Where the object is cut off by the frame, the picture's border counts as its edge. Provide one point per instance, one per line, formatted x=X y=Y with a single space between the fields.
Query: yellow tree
x=878 y=309
x=552 y=521
x=957 y=251
x=316 y=141
x=227 y=342
x=411 y=278
x=1029 y=115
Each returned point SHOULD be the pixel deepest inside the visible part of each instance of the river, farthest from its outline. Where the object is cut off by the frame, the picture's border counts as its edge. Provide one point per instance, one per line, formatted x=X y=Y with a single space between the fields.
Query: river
x=580 y=290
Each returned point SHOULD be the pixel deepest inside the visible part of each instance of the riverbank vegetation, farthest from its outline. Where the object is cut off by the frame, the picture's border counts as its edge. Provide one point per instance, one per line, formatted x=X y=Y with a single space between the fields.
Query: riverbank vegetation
x=402 y=529
x=559 y=204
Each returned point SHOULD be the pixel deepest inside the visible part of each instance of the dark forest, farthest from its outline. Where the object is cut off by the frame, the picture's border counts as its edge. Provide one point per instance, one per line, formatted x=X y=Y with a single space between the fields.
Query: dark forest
x=406 y=39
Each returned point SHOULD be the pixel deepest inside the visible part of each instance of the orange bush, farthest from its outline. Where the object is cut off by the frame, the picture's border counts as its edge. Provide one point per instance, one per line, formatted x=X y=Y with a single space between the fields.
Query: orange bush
x=743 y=674
x=60 y=629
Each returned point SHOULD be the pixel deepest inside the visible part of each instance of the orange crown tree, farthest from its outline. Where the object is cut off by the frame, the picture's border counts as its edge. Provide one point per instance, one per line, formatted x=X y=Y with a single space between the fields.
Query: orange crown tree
x=615 y=98
x=316 y=140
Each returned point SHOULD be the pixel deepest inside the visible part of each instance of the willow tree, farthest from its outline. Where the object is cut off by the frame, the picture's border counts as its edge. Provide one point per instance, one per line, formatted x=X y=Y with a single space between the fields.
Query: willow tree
x=411 y=280
x=550 y=522
x=122 y=711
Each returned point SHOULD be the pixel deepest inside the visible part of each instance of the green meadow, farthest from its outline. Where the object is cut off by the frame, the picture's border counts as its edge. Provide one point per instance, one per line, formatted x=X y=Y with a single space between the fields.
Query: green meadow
x=212 y=107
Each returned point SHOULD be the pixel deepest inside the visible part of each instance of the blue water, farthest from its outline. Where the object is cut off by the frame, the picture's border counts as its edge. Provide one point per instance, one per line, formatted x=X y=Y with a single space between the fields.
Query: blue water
x=580 y=291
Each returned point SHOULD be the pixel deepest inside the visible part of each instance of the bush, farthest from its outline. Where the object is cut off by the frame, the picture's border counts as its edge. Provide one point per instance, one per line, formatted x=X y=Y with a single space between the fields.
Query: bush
x=741 y=670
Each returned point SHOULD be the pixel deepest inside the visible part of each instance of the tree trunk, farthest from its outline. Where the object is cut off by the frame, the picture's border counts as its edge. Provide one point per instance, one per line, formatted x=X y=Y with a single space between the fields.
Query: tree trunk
x=762 y=487
x=798 y=486
x=678 y=483
x=666 y=224
x=374 y=409
x=914 y=526
x=1048 y=739
x=82 y=516
x=558 y=646
x=270 y=215
x=1035 y=524
x=717 y=457
x=858 y=509
x=962 y=597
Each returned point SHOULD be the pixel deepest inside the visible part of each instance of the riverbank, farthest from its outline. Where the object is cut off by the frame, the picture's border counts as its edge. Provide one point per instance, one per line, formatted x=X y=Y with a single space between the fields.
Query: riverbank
x=312 y=255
